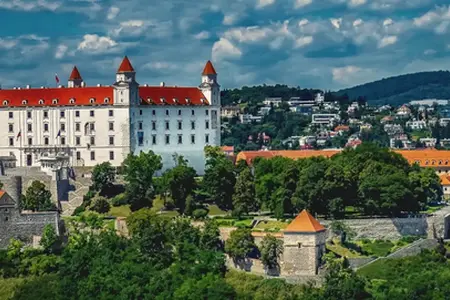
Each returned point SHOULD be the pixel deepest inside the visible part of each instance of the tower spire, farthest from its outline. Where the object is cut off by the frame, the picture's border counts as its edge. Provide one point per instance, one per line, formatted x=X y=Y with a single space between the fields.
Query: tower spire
x=75 y=79
x=209 y=69
x=125 y=66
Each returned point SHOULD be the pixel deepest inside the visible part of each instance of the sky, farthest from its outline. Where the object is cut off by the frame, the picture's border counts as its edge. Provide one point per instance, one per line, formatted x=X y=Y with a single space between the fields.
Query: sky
x=326 y=44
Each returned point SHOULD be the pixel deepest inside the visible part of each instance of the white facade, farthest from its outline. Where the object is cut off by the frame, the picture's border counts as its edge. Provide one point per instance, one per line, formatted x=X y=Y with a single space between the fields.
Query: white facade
x=416 y=125
x=92 y=125
x=324 y=119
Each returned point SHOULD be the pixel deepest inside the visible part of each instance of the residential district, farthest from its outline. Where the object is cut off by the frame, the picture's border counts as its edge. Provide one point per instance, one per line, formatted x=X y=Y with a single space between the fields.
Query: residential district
x=107 y=189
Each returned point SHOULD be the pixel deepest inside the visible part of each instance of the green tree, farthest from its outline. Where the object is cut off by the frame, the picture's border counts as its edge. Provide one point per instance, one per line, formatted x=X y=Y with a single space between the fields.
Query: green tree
x=271 y=250
x=219 y=180
x=103 y=176
x=240 y=244
x=138 y=171
x=285 y=193
x=100 y=204
x=49 y=239
x=426 y=187
x=210 y=237
x=37 y=198
x=180 y=181
x=244 y=199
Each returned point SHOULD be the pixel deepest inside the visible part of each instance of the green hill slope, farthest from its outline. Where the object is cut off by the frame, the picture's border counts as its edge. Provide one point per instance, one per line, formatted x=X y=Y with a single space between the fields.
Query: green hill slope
x=400 y=89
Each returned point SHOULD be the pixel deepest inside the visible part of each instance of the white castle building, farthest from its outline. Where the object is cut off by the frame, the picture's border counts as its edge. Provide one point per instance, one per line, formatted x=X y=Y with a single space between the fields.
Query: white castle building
x=91 y=125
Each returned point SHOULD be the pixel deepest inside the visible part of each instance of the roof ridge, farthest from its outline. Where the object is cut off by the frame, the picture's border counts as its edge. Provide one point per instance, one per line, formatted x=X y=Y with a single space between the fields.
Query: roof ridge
x=304 y=222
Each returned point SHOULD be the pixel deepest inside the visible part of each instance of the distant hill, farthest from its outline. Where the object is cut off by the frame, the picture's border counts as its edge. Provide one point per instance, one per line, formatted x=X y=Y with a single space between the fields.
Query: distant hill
x=401 y=89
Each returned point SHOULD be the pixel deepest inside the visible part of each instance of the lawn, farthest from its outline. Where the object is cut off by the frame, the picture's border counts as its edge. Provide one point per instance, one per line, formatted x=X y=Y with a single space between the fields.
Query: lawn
x=233 y=222
x=214 y=210
x=343 y=251
x=378 y=248
x=271 y=225
x=120 y=211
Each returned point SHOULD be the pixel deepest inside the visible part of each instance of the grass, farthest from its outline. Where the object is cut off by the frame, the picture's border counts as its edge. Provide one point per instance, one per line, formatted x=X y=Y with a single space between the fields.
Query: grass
x=378 y=248
x=432 y=209
x=375 y=269
x=271 y=225
x=343 y=251
x=120 y=211
x=8 y=286
x=214 y=210
x=233 y=222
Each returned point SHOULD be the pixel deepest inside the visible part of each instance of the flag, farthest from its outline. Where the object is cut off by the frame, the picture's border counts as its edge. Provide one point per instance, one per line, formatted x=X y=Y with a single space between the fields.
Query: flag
x=59 y=134
x=19 y=135
x=56 y=78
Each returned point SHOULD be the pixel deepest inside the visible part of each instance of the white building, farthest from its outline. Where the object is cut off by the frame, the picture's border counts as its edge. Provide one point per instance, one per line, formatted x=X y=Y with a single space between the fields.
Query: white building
x=92 y=125
x=416 y=125
x=325 y=119
x=275 y=101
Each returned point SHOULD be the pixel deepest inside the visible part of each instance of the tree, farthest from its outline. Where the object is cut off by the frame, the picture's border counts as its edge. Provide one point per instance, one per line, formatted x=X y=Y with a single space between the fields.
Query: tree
x=271 y=250
x=138 y=171
x=240 y=244
x=285 y=193
x=219 y=180
x=341 y=229
x=49 y=238
x=180 y=182
x=100 y=204
x=103 y=176
x=244 y=199
x=210 y=237
x=37 y=198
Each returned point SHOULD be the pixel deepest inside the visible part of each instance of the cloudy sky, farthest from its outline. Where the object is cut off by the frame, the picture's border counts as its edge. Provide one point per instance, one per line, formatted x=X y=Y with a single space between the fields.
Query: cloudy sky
x=326 y=44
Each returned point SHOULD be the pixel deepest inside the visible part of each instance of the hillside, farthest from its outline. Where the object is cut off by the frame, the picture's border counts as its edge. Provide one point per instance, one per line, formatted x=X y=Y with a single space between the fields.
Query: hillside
x=401 y=89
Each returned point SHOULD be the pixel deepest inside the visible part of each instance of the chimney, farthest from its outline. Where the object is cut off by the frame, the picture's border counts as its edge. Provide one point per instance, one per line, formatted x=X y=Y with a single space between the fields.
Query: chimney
x=28 y=87
x=162 y=84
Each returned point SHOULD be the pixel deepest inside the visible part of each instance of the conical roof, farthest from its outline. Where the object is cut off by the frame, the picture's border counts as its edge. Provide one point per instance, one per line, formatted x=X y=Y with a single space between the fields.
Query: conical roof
x=75 y=75
x=125 y=66
x=209 y=69
x=304 y=222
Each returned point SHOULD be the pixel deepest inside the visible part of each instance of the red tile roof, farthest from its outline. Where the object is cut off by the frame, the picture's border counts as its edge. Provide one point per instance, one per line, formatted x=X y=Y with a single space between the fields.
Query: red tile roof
x=445 y=179
x=125 y=66
x=209 y=69
x=2 y=192
x=304 y=222
x=172 y=96
x=56 y=96
x=75 y=74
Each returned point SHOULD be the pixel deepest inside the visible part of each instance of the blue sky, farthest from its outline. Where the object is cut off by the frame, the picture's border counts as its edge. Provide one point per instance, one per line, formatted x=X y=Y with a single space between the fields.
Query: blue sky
x=328 y=44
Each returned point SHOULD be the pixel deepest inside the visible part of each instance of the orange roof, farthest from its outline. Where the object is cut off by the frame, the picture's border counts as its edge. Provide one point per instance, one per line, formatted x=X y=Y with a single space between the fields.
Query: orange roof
x=249 y=156
x=172 y=96
x=304 y=222
x=445 y=179
x=209 y=69
x=75 y=74
x=342 y=127
x=427 y=157
x=125 y=66
x=228 y=148
x=2 y=192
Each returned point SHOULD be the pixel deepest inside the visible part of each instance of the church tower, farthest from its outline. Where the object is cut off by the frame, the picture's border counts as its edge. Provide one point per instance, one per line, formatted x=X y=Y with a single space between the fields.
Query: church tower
x=126 y=89
x=304 y=245
x=209 y=86
x=75 y=79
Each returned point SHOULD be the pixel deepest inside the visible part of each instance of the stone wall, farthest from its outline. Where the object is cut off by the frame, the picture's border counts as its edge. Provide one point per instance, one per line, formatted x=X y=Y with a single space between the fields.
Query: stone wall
x=24 y=226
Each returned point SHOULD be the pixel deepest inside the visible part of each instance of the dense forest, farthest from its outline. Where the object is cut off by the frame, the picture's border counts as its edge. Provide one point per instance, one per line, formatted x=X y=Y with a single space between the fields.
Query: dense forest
x=393 y=90
x=401 y=89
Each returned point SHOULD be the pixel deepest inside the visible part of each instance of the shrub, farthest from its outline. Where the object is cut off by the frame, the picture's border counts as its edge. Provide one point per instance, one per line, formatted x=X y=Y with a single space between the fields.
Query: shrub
x=199 y=213
x=100 y=204
x=119 y=200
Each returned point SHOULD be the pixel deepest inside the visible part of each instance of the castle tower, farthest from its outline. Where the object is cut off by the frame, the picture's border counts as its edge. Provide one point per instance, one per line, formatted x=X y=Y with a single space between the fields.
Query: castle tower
x=75 y=79
x=209 y=86
x=304 y=245
x=126 y=88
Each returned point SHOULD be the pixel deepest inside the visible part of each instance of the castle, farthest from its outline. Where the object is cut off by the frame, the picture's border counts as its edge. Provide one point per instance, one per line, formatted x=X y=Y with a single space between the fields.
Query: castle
x=87 y=125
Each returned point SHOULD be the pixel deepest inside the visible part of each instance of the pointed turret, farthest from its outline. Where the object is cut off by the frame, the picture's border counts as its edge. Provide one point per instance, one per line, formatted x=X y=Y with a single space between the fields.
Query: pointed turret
x=125 y=66
x=209 y=69
x=75 y=79
x=304 y=222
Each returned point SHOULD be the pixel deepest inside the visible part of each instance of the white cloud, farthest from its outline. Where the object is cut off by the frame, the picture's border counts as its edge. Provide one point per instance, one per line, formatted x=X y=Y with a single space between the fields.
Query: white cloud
x=264 y=3
x=357 y=22
x=342 y=74
x=94 y=43
x=202 y=35
x=113 y=12
x=429 y=52
x=61 y=51
x=8 y=43
x=336 y=23
x=229 y=19
x=303 y=22
x=442 y=28
x=223 y=49
x=302 y=3
x=354 y=3
x=435 y=18
x=160 y=65
x=388 y=22
x=387 y=40
x=248 y=34
x=30 y=5
x=303 y=41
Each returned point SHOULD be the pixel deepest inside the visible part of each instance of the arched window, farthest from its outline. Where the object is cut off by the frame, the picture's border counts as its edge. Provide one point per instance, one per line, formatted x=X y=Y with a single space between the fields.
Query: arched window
x=433 y=162
x=426 y=162
x=72 y=101
x=55 y=101
x=24 y=102
x=41 y=102
x=5 y=102
x=106 y=100
x=92 y=100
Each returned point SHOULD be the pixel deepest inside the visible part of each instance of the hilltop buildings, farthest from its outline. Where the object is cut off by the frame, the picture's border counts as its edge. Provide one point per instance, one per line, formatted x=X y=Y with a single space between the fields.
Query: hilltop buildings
x=89 y=125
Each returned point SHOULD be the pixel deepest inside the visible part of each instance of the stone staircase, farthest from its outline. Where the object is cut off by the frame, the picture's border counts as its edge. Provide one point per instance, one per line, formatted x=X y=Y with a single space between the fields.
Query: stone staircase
x=81 y=187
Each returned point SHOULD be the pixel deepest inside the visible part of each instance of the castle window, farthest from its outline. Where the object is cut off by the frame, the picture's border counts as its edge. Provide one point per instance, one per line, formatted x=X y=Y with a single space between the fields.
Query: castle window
x=106 y=100
x=55 y=101
x=111 y=140
x=92 y=100
x=433 y=162
x=180 y=125
x=29 y=114
x=111 y=155
x=11 y=115
x=92 y=113
x=45 y=127
x=111 y=126
x=46 y=141
x=62 y=114
x=77 y=113
x=207 y=112
x=11 y=141
x=72 y=101
x=154 y=139
x=193 y=112
x=30 y=128
x=440 y=162
x=192 y=138
x=175 y=100
x=77 y=141
x=167 y=125
x=41 y=102
x=5 y=102
x=24 y=102
x=78 y=155
x=111 y=113
x=179 y=112
x=167 y=139
x=6 y=219
x=140 y=112
x=92 y=155
x=154 y=112
x=153 y=125
x=63 y=140
x=63 y=127
x=11 y=128
x=206 y=124
x=140 y=125
x=206 y=138
x=45 y=114
x=167 y=112
x=180 y=139
x=30 y=141
x=193 y=125
x=77 y=126
x=149 y=100
x=299 y=245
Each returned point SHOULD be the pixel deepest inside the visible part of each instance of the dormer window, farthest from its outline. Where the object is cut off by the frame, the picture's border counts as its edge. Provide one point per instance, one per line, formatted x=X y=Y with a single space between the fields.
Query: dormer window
x=446 y=162
x=440 y=162
x=24 y=102
x=72 y=101
x=162 y=100
x=426 y=162
x=5 y=102
x=41 y=102
x=106 y=100
x=55 y=101
x=92 y=100
x=175 y=100
x=433 y=162
x=149 y=100
x=188 y=100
